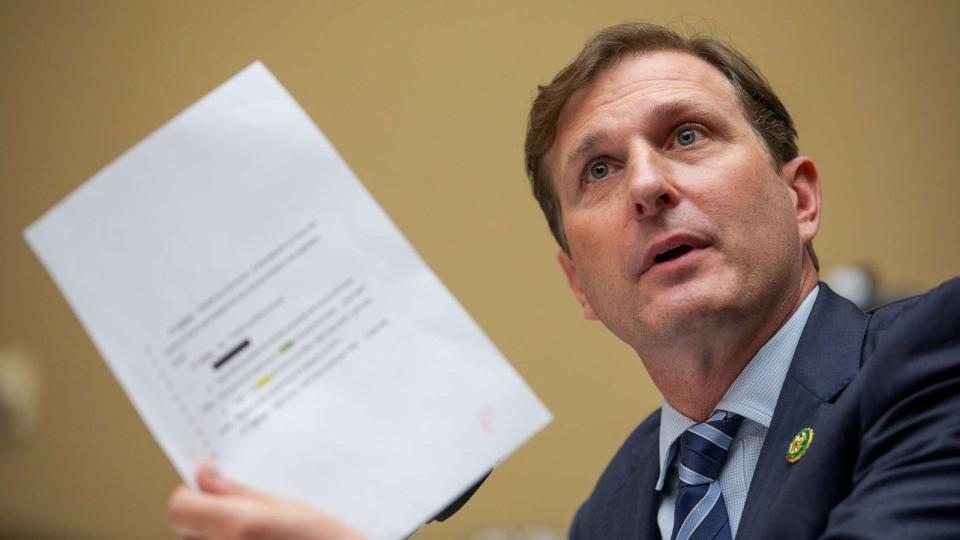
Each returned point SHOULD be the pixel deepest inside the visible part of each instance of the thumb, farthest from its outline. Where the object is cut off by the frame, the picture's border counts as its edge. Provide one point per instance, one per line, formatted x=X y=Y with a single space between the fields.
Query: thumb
x=211 y=481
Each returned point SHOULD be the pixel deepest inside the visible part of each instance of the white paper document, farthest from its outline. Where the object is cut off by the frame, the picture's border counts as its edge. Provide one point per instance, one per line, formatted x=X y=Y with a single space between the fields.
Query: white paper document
x=263 y=314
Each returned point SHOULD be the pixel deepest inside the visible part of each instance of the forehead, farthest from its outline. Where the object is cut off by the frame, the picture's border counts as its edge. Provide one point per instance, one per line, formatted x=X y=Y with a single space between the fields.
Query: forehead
x=639 y=84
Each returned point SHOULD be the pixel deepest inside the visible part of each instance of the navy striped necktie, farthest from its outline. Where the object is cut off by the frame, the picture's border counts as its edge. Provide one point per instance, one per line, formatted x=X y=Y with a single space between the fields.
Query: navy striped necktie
x=700 y=512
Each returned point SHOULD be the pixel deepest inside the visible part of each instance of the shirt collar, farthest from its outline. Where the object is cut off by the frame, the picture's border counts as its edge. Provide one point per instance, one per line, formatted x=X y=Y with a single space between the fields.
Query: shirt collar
x=755 y=391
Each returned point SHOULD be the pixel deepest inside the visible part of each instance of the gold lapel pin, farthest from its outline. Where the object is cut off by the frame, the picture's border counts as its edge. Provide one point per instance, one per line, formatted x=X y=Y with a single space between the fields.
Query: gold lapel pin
x=799 y=445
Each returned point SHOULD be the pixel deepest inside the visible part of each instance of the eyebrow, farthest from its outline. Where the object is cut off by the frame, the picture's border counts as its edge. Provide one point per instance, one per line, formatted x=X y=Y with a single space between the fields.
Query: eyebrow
x=585 y=147
x=661 y=113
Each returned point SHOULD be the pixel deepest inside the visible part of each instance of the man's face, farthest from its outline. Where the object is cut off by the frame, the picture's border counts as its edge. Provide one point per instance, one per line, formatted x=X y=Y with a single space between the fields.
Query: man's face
x=675 y=218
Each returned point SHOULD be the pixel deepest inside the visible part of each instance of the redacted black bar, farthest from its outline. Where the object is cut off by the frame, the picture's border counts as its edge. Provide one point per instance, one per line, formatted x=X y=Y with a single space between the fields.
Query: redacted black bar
x=233 y=352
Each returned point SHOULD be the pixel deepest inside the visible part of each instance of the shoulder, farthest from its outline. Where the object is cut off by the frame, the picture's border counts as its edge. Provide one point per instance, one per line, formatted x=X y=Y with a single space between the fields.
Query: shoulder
x=634 y=458
x=906 y=399
x=914 y=326
x=912 y=348
x=920 y=317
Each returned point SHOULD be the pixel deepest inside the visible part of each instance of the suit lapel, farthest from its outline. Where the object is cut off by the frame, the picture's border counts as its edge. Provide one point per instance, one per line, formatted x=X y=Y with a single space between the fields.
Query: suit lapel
x=633 y=513
x=826 y=360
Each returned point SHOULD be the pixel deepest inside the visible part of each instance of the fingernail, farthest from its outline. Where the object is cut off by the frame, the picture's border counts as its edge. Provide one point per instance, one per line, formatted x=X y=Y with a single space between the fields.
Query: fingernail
x=208 y=474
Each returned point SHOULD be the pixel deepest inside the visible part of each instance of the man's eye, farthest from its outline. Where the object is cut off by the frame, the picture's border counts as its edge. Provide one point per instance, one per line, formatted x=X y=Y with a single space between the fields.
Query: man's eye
x=598 y=170
x=687 y=136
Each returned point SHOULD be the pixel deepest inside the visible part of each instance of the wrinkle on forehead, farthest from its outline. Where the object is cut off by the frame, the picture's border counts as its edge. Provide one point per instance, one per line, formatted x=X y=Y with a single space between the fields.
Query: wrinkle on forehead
x=660 y=113
x=663 y=76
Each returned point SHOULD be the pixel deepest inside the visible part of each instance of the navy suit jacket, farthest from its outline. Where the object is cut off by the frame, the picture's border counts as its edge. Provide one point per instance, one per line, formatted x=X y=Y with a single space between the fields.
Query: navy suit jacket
x=881 y=390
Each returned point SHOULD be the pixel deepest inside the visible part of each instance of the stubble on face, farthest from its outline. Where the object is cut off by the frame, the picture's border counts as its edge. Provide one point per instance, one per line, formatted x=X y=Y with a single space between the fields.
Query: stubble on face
x=723 y=190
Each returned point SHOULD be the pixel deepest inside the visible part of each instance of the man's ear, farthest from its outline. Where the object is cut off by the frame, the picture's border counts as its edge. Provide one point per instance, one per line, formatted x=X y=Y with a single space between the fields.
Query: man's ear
x=804 y=182
x=567 y=264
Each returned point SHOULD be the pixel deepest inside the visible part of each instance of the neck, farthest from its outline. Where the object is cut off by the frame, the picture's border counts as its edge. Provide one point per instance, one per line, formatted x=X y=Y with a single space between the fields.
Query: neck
x=693 y=374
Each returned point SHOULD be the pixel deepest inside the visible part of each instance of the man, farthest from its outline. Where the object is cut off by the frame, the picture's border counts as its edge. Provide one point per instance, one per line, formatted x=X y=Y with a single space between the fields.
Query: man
x=668 y=172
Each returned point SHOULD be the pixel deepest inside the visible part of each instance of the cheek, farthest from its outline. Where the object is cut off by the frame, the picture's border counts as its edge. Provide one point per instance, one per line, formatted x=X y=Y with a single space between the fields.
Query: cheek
x=597 y=252
x=769 y=230
x=753 y=214
x=758 y=195
x=589 y=233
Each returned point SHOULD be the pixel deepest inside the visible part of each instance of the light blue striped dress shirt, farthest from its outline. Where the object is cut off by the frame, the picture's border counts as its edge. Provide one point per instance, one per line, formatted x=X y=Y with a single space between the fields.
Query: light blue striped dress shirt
x=752 y=395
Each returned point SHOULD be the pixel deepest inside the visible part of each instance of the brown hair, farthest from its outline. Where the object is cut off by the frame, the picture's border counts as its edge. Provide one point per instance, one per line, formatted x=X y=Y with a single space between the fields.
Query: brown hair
x=762 y=107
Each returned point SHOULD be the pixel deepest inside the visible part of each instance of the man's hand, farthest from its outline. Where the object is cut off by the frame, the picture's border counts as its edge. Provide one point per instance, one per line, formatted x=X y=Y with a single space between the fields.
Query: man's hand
x=224 y=510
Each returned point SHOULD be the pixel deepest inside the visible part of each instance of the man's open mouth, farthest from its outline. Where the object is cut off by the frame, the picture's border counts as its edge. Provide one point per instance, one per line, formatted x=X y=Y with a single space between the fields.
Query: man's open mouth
x=672 y=253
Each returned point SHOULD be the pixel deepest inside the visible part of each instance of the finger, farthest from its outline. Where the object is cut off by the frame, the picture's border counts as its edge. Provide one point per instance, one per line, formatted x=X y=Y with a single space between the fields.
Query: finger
x=181 y=510
x=210 y=480
x=192 y=514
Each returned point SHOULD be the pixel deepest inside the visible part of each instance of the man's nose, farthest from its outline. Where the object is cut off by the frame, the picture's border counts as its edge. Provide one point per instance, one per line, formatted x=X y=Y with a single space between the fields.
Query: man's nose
x=651 y=186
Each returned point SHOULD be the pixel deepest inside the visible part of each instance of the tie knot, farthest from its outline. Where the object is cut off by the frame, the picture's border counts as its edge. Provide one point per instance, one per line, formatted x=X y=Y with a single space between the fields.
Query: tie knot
x=704 y=446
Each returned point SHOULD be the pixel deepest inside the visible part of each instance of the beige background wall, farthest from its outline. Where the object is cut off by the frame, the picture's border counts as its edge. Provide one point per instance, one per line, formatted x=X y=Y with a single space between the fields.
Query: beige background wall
x=427 y=102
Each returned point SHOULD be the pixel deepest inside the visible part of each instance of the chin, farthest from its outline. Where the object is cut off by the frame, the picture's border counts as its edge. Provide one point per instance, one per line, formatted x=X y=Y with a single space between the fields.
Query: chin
x=690 y=307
